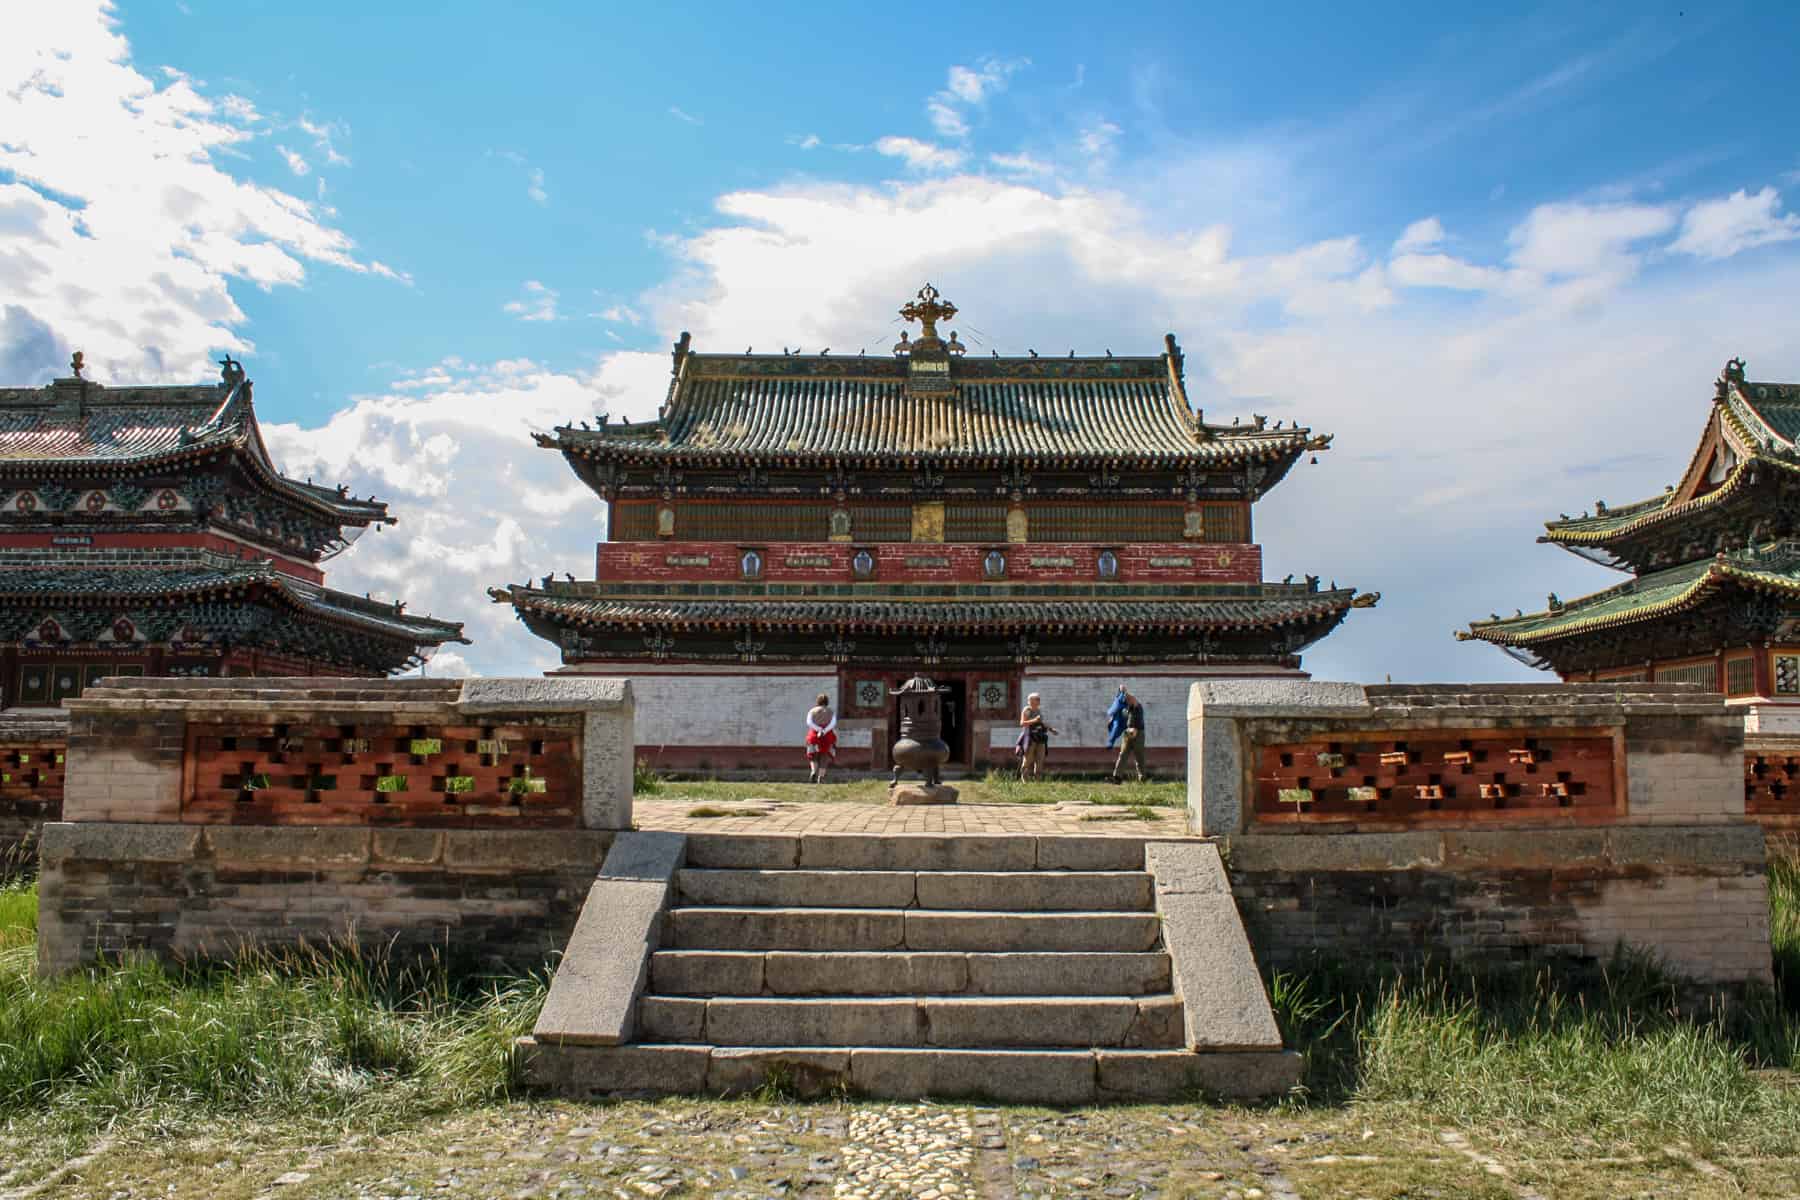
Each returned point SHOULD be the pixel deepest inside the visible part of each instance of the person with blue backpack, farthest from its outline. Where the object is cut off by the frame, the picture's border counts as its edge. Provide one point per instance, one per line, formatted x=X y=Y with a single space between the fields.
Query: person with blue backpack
x=1125 y=727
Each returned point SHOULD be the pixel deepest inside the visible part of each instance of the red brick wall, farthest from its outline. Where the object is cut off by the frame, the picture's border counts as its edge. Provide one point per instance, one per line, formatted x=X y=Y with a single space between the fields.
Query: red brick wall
x=919 y=562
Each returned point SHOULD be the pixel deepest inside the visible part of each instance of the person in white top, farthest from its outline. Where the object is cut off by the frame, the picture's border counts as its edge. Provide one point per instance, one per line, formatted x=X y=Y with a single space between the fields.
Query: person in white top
x=821 y=737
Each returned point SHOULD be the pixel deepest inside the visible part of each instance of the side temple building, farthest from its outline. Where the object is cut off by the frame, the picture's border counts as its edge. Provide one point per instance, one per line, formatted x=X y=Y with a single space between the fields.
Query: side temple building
x=1713 y=596
x=146 y=531
x=793 y=524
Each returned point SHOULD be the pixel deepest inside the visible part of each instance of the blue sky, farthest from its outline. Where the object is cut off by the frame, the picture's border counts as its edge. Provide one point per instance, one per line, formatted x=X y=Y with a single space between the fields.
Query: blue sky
x=1500 y=255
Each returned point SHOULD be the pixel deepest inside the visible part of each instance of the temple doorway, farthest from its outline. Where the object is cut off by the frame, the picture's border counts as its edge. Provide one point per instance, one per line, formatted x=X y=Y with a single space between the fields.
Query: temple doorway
x=956 y=720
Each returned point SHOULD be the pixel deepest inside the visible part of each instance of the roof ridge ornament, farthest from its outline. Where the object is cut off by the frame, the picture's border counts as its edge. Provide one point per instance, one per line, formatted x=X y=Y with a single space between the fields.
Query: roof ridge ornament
x=928 y=308
x=231 y=371
x=1731 y=376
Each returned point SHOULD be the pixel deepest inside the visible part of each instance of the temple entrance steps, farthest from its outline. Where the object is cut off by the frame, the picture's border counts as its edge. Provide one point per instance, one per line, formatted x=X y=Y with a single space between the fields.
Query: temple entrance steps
x=1019 y=968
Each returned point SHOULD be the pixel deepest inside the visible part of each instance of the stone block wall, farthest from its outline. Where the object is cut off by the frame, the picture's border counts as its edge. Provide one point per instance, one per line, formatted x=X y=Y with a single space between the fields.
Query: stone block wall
x=1379 y=854
x=33 y=745
x=496 y=898
x=204 y=815
x=1696 y=899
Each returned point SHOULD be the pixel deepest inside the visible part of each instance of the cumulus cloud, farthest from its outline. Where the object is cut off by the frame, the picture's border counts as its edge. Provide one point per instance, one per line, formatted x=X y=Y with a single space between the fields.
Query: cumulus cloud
x=112 y=175
x=1426 y=234
x=920 y=155
x=1735 y=223
x=450 y=449
x=537 y=304
x=687 y=117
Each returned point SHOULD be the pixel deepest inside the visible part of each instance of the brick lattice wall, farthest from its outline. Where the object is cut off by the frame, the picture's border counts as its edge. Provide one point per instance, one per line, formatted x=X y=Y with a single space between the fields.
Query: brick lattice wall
x=516 y=775
x=1436 y=775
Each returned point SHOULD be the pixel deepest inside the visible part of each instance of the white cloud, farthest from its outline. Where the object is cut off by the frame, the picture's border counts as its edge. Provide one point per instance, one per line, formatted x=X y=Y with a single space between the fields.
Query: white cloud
x=117 y=178
x=1561 y=240
x=920 y=155
x=537 y=304
x=806 y=141
x=536 y=187
x=1732 y=224
x=621 y=313
x=323 y=135
x=946 y=118
x=295 y=162
x=967 y=88
x=1421 y=235
x=1443 y=271
x=688 y=117
x=479 y=504
x=1022 y=164
x=1099 y=139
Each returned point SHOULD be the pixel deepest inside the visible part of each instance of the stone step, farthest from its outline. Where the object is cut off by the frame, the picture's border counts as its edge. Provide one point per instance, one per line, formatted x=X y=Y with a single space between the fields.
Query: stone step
x=745 y=928
x=947 y=1021
x=996 y=891
x=899 y=1073
x=903 y=973
x=915 y=852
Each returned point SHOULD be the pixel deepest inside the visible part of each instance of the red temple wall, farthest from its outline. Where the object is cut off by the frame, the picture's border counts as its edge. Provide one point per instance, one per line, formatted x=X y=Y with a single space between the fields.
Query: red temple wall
x=928 y=562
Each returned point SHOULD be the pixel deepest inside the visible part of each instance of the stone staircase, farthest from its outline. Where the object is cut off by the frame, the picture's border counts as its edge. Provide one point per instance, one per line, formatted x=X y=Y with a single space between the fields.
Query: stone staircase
x=1024 y=968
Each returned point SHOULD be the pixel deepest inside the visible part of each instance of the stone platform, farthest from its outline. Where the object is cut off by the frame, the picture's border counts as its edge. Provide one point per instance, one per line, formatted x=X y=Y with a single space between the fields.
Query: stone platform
x=770 y=816
x=1024 y=968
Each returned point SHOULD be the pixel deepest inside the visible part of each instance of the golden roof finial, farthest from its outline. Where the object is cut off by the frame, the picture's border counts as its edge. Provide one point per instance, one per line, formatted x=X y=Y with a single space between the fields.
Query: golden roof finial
x=76 y=362
x=928 y=308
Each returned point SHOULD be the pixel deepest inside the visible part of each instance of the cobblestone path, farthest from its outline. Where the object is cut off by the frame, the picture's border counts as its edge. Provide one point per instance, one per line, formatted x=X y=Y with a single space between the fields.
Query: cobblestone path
x=750 y=1150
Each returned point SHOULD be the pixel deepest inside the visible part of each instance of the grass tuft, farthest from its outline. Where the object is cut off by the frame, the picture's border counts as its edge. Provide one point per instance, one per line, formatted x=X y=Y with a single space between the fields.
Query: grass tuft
x=337 y=1033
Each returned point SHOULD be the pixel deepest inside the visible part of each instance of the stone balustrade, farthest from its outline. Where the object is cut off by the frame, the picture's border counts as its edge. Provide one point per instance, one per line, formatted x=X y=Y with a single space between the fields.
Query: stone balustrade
x=1492 y=823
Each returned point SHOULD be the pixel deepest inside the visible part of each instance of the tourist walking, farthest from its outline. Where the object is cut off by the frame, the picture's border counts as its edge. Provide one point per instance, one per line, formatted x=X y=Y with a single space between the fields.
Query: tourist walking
x=1125 y=726
x=1034 y=738
x=821 y=737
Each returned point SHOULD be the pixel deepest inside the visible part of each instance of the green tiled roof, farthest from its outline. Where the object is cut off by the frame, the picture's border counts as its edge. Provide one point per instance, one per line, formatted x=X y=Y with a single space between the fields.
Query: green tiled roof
x=1277 y=605
x=816 y=407
x=75 y=425
x=1765 y=415
x=1774 y=407
x=181 y=573
x=1648 y=597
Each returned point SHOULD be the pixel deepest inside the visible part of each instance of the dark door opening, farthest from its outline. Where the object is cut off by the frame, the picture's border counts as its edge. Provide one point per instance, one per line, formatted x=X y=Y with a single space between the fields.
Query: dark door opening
x=956 y=723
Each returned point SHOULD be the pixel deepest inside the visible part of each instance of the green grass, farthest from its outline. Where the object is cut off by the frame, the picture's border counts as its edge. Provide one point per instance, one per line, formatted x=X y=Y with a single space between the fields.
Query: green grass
x=1609 y=1054
x=332 y=1035
x=1784 y=919
x=18 y=914
x=1609 y=1057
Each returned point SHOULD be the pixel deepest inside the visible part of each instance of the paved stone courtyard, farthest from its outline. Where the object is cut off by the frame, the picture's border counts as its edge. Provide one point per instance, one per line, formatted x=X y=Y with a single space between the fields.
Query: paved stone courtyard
x=774 y=816
x=739 y=1150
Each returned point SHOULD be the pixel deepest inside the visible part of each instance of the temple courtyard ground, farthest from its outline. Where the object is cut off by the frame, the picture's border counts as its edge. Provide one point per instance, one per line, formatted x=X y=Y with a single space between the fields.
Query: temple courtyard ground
x=342 y=1075
x=854 y=804
x=686 y=1148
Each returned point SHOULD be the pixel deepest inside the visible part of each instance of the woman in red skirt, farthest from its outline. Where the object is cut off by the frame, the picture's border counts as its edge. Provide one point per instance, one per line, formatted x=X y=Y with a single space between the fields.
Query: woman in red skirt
x=821 y=738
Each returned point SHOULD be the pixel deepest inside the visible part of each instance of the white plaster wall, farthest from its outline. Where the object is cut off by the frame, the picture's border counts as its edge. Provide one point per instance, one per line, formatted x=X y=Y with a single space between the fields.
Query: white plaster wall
x=1772 y=718
x=730 y=710
x=1076 y=705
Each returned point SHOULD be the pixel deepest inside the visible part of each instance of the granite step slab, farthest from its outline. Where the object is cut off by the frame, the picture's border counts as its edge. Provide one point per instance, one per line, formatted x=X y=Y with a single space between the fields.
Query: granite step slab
x=797 y=889
x=820 y=929
x=1015 y=1076
x=957 y=1022
x=1036 y=891
x=906 y=973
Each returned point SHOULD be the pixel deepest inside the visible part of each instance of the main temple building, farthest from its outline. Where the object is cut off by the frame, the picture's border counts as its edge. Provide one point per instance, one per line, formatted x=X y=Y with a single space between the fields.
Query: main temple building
x=147 y=531
x=1713 y=596
x=792 y=524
